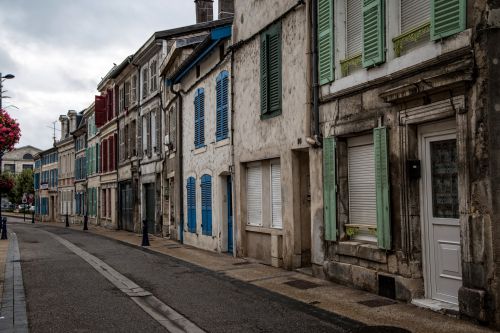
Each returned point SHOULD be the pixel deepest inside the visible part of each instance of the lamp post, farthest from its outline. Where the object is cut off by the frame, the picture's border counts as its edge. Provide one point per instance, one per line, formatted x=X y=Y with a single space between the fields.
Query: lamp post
x=3 y=78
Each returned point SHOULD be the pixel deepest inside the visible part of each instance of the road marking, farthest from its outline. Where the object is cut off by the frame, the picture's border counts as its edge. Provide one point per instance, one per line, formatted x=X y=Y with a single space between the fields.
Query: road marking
x=166 y=316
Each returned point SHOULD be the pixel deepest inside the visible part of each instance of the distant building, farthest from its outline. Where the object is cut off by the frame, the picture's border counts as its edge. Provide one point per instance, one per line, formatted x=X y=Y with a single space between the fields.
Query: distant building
x=45 y=183
x=19 y=159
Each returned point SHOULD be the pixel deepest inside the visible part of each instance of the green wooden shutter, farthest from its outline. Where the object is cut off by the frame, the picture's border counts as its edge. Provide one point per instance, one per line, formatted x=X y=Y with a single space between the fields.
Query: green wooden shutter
x=274 y=69
x=329 y=189
x=373 y=32
x=263 y=74
x=447 y=17
x=382 y=188
x=325 y=41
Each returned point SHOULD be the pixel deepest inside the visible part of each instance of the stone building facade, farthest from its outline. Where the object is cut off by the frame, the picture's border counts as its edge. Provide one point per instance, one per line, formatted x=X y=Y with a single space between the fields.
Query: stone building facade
x=19 y=159
x=407 y=116
x=271 y=117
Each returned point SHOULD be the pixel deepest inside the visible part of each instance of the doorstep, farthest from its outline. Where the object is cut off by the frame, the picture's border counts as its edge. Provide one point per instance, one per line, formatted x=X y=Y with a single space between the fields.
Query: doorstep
x=437 y=306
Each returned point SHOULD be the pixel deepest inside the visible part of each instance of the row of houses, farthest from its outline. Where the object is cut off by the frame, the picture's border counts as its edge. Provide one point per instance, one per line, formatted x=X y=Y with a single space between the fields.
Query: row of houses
x=355 y=138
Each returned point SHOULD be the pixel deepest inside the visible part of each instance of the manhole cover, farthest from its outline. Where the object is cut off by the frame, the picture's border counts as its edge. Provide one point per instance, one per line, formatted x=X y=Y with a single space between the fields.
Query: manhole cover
x=381 y=329
x=375 y=303
x=301 y=284
x=241 y=263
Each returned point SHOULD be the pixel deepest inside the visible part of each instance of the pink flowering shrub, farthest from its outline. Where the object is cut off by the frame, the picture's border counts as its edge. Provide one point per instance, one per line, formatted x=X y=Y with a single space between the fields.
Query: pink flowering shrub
x=10 y=132
x=6 y=183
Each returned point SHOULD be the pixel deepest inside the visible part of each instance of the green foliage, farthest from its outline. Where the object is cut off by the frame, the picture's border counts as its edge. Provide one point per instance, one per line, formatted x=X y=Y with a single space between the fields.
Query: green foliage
x=23 y=183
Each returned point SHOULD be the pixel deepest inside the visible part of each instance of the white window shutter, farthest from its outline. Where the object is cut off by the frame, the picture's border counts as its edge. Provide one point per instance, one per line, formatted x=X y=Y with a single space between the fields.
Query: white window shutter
x=277 y=221
x=361 y=179
x=354 y=27
x=254 y=195
x=414 y=13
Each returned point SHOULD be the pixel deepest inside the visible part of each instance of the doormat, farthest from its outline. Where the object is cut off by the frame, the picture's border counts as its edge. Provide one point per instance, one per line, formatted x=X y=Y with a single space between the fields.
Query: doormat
x=375 y=303
x=301 y=284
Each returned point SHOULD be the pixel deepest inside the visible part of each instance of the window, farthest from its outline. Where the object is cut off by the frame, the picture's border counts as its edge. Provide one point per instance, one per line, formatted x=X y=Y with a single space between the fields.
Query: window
x=222 y=96
x=131 y=146
x=154 y=125
x=199 y=118
x=27 y=166
x=254 y=195
x=191 y=204
x=153 y=75
x=133 y=91
x=277 y=221
x=354 y=27
x=27 y=156
x=144 y=82
x=414 y=14
x=126 y=96
x=270 y=72
x=121 y=99
x=144 y=134
x=206 y=205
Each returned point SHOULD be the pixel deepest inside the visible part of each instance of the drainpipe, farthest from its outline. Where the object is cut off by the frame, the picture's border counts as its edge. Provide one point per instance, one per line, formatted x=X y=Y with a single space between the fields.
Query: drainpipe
x=316 y=140
x=233 y=192
x=178 y=119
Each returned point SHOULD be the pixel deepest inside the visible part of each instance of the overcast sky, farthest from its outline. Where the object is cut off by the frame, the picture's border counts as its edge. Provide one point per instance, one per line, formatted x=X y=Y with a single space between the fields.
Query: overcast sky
x=59 y=50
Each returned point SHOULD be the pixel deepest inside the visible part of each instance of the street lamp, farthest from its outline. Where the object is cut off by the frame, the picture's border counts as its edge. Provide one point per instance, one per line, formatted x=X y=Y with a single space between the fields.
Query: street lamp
x=3 y=78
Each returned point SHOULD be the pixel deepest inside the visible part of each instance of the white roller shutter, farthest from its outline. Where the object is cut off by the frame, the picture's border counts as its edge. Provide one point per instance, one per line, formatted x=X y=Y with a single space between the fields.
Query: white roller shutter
x=361 y=164
x=277 y=221
x=414 y=13
x=354 y=27
x=254 y=195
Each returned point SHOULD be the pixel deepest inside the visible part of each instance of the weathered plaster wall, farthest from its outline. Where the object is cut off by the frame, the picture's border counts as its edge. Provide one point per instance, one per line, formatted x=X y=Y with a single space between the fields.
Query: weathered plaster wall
x=256 y=139
x=213 y=159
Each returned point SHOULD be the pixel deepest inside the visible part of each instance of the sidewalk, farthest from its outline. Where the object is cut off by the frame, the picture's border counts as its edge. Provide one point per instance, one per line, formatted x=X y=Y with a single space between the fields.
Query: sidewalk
x=356 y=304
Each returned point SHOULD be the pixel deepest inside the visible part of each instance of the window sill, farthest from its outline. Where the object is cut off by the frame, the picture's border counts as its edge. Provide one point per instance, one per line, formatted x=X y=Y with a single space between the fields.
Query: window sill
x=263 y=230
x=199 y=150
x=222 y=143
x=361 y=250
x=270 y=115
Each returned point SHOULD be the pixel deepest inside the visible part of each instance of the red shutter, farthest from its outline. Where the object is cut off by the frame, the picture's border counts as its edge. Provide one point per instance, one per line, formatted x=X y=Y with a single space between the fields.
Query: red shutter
x=105 y=156
x=109 y=96
x=100 y=111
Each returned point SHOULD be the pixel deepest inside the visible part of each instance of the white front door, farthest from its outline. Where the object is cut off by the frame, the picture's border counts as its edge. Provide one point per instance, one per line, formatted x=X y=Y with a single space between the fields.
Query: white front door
x=440 y=212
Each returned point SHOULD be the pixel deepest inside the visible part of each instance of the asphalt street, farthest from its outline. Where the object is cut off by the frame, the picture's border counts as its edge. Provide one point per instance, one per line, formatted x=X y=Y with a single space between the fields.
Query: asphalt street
x=64 y=293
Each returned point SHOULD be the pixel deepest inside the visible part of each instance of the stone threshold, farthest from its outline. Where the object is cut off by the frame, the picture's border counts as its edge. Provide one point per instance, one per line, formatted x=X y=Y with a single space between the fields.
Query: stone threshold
x=437 y=306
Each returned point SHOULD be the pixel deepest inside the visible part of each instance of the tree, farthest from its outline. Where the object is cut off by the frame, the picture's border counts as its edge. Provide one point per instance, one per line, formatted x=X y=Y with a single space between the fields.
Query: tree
x=23 y=183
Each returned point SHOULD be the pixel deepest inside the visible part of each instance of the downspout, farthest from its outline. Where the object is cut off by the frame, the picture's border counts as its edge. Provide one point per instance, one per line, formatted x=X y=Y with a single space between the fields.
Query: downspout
x=178 y=118
x=233 y=192
x=316 y=135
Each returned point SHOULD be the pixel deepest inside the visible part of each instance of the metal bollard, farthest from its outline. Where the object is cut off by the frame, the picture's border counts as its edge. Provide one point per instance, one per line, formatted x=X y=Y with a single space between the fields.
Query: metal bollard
x=85 y=222
x=33 y=217
x=67 y=221
x=4 y=228
x=145 y=238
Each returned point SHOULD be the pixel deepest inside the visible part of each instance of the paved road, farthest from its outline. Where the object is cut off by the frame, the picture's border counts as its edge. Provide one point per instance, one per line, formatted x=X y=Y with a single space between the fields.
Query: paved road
x=64 y=293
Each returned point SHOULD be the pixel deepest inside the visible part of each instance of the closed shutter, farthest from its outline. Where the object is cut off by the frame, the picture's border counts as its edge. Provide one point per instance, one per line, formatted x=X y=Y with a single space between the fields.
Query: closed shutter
x=153 y=130
x=100 y=110
x=271 y=70
x=139 y=136
x=354 y=27
x=382 y=184
x=447 y=17
x=196 y=120
x=373 y=32
x=158 y=131
x=148 y=134
x=191 y=204
x=414 y=13
x=115 y=146
x=97 y=160
x=325 y=41
x=201 y=114
x=222 y=105
x=277 y=221
x=329 y=189
x=361 y=175
x=206 y=205
x=254 y=195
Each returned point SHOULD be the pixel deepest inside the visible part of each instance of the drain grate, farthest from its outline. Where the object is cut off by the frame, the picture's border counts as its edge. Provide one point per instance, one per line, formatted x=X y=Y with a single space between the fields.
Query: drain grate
x=381 y=329
x=301 y=284
x=241 y=263
x=375 y=303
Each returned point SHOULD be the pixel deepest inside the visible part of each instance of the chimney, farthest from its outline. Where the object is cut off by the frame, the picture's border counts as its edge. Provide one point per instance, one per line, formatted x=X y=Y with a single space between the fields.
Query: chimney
x=204 y=10
x=72 y=120
x=226 y=9
x=64 y=126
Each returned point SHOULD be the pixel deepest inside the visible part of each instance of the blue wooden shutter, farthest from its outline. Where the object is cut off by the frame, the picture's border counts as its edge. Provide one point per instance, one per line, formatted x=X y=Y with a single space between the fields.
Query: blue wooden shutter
x=325 y=41
x=206 y=205
x=196 y=120
x=382 y=188
x=447 y=17
x=329 y=189
x=222 y=105
x=191 y=204
x=373 y=32
x=202 y=116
